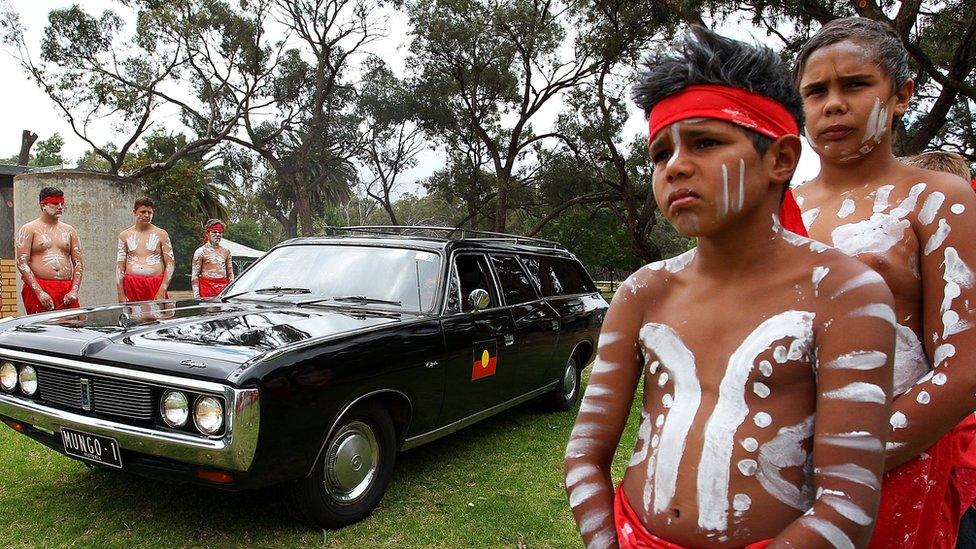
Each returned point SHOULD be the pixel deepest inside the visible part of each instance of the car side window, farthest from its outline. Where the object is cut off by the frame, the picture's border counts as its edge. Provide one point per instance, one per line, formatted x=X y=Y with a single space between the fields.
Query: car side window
x=515 y=282
x=568 y=277
x=472 y=274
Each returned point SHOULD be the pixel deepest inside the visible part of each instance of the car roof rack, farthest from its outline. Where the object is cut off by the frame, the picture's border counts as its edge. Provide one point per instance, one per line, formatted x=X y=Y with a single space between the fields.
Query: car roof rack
x=443 y=233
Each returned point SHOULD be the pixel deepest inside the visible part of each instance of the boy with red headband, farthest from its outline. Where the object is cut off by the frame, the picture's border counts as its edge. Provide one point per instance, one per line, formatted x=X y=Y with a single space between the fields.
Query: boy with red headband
x=766 y=357
x=49 y=257
x=212 y=268
x=145 y=261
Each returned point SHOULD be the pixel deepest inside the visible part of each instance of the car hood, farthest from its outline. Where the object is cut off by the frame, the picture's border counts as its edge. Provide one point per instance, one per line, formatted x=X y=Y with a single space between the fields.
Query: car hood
x=192 y=337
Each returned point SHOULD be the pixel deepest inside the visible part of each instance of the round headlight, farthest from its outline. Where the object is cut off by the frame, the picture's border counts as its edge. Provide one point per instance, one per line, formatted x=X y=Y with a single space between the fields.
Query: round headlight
x=28 y=380
x=174 y=408
x=8 y=376
x=208 y=415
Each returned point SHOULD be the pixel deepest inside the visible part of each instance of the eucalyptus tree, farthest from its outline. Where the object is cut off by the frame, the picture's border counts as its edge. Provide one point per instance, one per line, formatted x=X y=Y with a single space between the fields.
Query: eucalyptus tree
x=488 y=68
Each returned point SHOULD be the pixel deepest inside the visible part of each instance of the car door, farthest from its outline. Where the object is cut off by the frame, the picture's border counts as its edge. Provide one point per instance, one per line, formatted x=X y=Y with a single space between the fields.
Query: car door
x=536 y=324
x=479 y=370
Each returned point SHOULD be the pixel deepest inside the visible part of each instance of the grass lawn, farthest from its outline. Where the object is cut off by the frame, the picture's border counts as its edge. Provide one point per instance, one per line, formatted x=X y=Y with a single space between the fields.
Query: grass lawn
x=495 y=484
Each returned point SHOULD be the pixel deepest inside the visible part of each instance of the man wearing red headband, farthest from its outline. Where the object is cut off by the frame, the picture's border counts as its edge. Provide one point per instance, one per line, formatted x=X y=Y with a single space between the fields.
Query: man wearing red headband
x=212 y=269
x=766 y=357
x=49 y=257
x=145 y=261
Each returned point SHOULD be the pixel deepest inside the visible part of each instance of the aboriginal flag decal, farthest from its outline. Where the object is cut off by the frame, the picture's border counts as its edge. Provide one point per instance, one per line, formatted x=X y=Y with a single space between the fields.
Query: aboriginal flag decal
x=484 y=360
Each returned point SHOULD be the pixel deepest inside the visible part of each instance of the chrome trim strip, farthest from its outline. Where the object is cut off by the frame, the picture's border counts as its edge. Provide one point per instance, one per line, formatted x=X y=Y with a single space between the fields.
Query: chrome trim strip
x=429 y=436
x=233 y=451
x=125 y=373
x=349 y=406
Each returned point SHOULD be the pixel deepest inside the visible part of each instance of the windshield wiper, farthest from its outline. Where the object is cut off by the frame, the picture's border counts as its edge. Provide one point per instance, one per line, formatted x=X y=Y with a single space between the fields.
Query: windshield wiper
x=270 y=290
x=354 y=298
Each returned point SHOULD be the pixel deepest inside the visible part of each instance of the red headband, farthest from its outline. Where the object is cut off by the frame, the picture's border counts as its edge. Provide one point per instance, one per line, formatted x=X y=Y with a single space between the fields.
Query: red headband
x=216 y=227
x=53 y=200
x=745 y=108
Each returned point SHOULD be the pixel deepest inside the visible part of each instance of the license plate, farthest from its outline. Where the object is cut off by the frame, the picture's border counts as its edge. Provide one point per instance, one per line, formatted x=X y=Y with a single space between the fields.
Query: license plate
x=103 y=450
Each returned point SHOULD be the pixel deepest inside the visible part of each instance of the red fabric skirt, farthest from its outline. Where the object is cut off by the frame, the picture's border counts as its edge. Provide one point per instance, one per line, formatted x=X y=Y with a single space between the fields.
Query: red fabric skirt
x=210 y=287
x=632 y=534
x=141 y=288
x=57 y=289
x=923 y=500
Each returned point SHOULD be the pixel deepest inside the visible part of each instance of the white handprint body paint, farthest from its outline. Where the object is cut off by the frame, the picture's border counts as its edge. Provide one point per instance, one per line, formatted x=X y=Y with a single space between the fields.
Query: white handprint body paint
x=783 y=451
x=132 y=242
x=956 y=275
x=882 y=230
x=936 y=240
x=152 y=242
x=847 y=207
x=731 y=410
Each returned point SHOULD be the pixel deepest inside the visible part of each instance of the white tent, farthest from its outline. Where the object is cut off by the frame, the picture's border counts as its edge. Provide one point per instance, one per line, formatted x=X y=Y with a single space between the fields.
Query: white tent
x=240 y=250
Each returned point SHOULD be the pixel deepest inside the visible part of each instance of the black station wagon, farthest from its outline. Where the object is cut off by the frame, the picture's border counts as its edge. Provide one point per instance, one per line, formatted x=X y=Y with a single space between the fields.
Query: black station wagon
x=314 y=368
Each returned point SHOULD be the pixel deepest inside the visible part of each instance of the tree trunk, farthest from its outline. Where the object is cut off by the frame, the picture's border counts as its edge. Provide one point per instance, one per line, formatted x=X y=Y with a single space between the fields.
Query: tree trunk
x=27 y=139
x=303 y=205
x=501 y=205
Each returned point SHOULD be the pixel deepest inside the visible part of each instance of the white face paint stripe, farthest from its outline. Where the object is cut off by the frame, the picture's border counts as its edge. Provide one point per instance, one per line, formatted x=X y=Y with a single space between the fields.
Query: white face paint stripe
x=876 y=310
x=858 y=360
x=675 y=132
x=742 y=188
x=731 y=410
x=831 y=533
x=858 y=391
x=723 y=205
x=930 y=207
x=864 y=279
x=938 y=237
x=847 y=509
x=851 y=472
x=855 y=441
x=677 y=359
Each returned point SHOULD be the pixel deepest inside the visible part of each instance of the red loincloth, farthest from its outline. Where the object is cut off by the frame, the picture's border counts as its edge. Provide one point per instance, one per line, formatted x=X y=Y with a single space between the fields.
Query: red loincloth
x=210 y=287
x=631 y=533
x=923 y=500
x=141 y=288
x=57 y=289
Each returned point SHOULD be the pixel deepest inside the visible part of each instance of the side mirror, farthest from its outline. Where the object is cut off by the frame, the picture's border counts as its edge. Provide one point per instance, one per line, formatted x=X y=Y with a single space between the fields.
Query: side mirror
x=478 y=299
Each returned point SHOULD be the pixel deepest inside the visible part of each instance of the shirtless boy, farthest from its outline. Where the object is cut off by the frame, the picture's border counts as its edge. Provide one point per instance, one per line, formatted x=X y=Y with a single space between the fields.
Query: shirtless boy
x=766 y=357
x=49 y=257
x=145 y=261
x=916 y=228
x=212 y=268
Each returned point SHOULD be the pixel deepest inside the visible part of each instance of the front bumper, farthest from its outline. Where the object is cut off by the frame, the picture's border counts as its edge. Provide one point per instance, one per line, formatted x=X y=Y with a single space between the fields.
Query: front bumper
x=233 y=451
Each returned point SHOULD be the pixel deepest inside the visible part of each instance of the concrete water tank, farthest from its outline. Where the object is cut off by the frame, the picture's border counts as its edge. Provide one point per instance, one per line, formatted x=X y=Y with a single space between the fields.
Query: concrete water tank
x=98 y=206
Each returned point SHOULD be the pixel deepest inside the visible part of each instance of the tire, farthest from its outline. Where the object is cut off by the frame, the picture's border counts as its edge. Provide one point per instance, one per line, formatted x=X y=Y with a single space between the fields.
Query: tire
x=353 y=471
x=567 y=392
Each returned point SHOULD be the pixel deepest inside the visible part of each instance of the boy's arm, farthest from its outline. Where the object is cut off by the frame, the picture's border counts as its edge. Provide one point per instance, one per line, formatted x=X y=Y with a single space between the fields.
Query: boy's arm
x=195 y=271
x=120 y=259
x=169 y=263
x=855 y=339
x=230 y=266
x=944 y=397
x=602 y=417
x=78 y=270
x=23 y=243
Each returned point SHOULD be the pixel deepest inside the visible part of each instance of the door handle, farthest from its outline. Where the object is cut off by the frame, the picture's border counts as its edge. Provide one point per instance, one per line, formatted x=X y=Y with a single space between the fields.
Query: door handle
x=555 y=325
x=509 y=339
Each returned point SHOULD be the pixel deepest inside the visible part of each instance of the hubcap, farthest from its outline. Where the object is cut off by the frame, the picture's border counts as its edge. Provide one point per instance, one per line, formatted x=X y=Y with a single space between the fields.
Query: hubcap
x=569 y=381
x=351 y=463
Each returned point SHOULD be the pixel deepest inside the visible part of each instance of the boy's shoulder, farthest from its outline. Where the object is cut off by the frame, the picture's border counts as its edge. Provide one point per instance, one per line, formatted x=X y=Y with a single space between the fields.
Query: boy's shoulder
x=653 y=277
x=833 y=273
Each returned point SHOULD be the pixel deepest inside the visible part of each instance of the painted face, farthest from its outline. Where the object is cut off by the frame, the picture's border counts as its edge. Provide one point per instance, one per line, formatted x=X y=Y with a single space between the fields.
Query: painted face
x=705 y=173
x=848 y=101
x=53 y=209
x=143 y=214
x=214 y=237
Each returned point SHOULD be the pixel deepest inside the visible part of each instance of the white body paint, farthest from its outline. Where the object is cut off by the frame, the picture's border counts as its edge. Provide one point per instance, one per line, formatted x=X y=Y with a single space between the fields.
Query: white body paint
x=831 y=533
x=783 y=451
x=858 y=360
x=930 y=207
x=846 y=208
x=936 y=240
x=858 y=391
x=730 y=411
x=818 y=274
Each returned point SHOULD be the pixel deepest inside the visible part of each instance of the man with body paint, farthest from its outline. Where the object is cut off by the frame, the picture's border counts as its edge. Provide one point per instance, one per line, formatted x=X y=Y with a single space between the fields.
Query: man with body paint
x=916 y=229
x=145 y=260
x=765 y=356
x=49 y=257
x=212 y=268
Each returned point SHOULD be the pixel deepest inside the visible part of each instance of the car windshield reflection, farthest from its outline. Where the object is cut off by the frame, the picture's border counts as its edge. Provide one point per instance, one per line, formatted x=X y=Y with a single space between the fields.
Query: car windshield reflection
x=394 y=278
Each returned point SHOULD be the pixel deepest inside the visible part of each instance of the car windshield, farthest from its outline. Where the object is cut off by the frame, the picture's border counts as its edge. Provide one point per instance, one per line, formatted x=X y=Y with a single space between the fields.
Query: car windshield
x=395 y=278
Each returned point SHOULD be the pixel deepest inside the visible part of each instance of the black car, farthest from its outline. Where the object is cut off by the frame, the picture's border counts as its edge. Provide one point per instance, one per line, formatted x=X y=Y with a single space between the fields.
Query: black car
x=316 y=366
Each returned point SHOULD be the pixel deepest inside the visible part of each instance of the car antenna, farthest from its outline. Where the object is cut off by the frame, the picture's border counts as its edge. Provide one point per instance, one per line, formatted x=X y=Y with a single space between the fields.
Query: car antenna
x=420 y=302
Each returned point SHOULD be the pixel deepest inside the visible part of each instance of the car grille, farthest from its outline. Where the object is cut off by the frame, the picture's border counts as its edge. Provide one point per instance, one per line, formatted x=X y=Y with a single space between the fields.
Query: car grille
x=115 y=397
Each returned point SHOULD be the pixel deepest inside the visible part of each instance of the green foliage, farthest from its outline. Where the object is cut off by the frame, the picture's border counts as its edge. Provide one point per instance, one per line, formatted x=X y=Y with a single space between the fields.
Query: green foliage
x=46 y=152
x=598 y=241
x=247 y=232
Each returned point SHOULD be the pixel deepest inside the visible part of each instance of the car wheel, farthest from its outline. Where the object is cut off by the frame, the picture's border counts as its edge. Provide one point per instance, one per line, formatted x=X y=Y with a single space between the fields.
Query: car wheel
x=353 y=470
x=566 y=393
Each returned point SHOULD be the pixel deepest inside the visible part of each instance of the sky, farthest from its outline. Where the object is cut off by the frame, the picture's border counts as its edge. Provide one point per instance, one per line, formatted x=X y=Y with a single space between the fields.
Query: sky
x=29 y=108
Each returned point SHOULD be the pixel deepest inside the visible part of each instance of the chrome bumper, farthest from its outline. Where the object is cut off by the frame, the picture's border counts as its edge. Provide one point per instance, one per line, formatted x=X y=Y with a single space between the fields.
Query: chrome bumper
x=233 y=451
